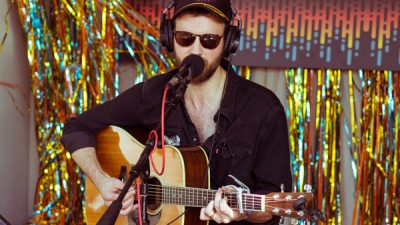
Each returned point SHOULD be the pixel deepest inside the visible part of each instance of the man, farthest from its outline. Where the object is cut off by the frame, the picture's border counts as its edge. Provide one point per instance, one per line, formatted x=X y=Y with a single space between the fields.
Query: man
x=240 y=124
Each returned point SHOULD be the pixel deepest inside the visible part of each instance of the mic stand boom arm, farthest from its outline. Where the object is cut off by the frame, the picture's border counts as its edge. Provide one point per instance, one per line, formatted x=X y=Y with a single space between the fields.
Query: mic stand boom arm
x=111 y=214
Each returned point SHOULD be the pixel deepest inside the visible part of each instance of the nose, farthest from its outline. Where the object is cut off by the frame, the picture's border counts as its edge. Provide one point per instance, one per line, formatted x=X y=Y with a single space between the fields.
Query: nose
x=197 y=48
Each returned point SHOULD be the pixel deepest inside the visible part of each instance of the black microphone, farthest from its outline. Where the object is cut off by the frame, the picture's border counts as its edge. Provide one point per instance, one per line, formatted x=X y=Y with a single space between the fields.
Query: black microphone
x=191 y=67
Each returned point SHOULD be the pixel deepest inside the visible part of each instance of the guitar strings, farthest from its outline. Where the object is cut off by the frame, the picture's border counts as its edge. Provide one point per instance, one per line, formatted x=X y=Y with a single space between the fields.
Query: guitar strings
x=159 y=189
x=168 y=194
x=284 y=209
x=186 y=190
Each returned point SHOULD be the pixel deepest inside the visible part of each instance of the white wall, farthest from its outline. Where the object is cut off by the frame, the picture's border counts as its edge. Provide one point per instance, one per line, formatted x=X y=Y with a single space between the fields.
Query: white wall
x=18 y=157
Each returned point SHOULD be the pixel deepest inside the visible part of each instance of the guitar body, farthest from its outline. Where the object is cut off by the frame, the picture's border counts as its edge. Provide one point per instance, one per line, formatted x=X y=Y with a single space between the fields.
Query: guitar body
x=185 y=167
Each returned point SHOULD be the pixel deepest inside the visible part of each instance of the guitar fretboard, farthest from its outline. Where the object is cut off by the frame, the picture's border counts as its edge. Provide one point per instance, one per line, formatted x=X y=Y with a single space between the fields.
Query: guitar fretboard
x=197 y=197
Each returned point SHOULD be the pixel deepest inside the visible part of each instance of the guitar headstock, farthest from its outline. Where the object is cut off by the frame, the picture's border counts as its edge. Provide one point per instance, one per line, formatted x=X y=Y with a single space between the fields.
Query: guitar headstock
x=299 y=205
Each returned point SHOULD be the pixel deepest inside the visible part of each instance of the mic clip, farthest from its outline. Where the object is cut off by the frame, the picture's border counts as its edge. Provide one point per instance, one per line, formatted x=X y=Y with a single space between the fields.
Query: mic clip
x=181 y=76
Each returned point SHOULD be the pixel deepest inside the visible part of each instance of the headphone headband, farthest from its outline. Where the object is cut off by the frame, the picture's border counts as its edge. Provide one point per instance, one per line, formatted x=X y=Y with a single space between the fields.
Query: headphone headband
x=232 y=36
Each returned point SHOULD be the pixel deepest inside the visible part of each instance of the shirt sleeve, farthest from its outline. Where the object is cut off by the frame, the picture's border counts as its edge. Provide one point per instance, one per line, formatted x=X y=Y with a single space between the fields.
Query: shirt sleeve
x=124 y=110
x=272 y=167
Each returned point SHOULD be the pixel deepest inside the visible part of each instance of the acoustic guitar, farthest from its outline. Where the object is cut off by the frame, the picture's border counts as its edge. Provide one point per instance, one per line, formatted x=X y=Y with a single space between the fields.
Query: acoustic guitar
x=178 y=195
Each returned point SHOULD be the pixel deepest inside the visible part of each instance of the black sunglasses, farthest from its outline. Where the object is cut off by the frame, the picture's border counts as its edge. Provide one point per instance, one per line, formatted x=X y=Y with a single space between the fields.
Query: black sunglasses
x=209 y=41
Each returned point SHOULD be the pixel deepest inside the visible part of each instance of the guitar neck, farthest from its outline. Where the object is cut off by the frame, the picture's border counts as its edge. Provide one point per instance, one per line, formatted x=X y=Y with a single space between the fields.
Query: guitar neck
x=198 y=197
x=275 y=203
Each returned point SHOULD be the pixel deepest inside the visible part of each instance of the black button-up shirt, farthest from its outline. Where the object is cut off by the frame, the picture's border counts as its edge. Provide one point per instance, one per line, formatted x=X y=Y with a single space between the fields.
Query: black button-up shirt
x=251 y=137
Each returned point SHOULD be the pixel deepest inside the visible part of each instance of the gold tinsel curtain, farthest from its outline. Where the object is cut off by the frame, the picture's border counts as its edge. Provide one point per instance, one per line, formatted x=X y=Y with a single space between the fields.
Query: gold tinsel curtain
x=73 y=51
x=315 y=117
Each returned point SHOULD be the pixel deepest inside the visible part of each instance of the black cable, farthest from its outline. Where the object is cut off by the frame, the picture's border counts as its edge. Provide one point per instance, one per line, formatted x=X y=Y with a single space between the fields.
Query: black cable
x=218 y=118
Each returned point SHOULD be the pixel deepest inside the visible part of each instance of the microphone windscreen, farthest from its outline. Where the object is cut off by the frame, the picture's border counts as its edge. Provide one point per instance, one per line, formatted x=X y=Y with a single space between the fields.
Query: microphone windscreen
x=196 y=64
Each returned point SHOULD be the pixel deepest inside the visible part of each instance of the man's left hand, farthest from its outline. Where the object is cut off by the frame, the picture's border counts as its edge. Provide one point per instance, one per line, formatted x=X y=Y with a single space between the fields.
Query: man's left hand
x=219 y=210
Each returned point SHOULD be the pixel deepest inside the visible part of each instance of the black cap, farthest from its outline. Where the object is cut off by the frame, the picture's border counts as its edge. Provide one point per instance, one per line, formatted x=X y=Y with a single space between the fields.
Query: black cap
x=221 y=8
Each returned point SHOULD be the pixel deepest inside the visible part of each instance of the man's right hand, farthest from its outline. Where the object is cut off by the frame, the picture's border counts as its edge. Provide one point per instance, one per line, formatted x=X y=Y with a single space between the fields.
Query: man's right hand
x=109 y=187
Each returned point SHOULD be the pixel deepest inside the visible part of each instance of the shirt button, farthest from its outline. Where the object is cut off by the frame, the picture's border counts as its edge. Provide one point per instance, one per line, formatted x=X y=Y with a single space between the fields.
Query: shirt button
x=194 y=139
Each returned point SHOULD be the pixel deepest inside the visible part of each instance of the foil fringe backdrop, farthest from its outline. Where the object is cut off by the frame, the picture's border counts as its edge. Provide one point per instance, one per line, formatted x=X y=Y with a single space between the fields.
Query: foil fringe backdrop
x=314 y=121
x=314 y=113
x=73 y=53
x=73 y=69
x=378 y=189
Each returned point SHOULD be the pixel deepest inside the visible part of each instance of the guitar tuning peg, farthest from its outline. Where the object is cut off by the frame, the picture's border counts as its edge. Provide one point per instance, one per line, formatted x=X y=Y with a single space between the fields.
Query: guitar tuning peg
x=294 y=221
x=319 y=215
x=300 y=204
x=316 y=215
x=308 y=188
x=282 y=220
x=282 y=187
x=294 y=188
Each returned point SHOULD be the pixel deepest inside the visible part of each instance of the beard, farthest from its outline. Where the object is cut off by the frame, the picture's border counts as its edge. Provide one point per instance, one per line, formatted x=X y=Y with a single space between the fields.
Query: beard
x=209 y=69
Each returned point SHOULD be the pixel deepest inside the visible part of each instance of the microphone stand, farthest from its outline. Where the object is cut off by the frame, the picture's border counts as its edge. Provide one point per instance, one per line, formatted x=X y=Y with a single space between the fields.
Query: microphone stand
x=111 y=214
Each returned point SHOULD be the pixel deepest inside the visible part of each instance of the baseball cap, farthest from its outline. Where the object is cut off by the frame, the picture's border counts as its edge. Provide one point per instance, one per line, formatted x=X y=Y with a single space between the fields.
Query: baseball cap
x=221 y=8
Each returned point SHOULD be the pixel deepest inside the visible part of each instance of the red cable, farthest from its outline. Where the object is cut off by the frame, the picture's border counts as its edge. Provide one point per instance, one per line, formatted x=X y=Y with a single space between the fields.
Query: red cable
x=153 y=132
x=138 y=198
x=162 y=137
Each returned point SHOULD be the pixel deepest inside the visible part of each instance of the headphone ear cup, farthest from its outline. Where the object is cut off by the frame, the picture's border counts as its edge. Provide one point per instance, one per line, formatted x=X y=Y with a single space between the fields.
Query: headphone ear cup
x=231 y=41
x=235 y=40
x=166 y=33
x=163 y=37
x=170 y=35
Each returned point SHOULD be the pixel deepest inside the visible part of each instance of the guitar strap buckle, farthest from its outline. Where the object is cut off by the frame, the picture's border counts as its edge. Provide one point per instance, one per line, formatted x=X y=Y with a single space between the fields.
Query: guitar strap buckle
x=239 y=192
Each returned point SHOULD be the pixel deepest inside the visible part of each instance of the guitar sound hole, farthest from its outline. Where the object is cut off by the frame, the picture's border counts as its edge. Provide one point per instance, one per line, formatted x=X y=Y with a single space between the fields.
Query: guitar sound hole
x=155 y=194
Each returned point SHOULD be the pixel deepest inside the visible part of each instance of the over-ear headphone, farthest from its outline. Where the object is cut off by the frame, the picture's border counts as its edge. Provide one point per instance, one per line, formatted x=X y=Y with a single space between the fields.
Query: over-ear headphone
x=231 y=36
